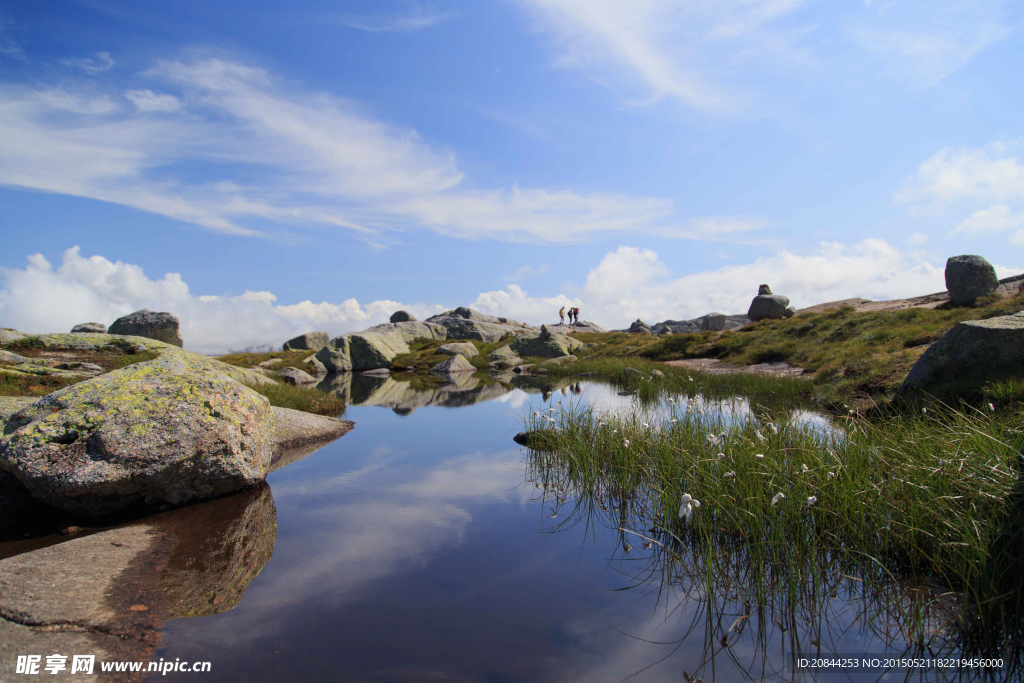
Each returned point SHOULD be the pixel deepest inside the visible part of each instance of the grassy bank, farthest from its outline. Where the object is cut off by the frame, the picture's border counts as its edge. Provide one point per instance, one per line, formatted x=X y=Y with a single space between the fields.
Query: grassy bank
x=14 y=383
x=931 y=498
x=308 y=399
x=851 y=356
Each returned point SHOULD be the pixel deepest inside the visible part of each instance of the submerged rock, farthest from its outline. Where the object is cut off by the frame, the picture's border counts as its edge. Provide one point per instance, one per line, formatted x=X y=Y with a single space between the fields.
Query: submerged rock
x=89 y=328
x=162 y=433
x=462 y=349
x=161 y=326
x=538 y=439
x=967 y=357
x=969 y=277
x=552 y=347
x=311 y=341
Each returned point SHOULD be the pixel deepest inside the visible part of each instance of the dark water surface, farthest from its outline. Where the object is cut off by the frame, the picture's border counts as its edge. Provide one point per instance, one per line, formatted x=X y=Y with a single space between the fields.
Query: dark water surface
x=416 y=549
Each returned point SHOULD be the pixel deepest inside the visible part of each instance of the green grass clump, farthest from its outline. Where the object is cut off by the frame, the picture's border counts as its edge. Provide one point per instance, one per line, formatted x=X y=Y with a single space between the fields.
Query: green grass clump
x=288 y=359
x=306 y=399
x=932 y=498
x=20 y=384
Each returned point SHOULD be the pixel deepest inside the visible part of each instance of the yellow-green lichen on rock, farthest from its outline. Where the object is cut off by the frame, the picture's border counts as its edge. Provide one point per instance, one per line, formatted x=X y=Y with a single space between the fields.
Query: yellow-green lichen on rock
x=165 y=432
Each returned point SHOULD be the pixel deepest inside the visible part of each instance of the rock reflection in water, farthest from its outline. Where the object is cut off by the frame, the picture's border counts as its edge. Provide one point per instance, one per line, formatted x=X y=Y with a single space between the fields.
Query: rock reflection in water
x=407 y=393
x=219 y=548
x=117 y=586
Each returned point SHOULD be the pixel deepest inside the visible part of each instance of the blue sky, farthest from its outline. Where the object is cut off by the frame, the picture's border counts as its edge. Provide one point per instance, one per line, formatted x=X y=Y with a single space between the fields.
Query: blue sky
x=265 y=168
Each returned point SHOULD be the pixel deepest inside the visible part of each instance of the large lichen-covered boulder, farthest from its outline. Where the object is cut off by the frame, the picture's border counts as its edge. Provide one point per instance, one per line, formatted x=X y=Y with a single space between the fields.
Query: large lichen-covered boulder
x=971 y=354
x=454 y=365
x=553 y=346
x=769 y=306
x=465 y=328
x=969 y=277
x=376 y=347
x=157 y=325
x=458 y=348
x=89 y=328
x=639 y=327
x=162 y=433
x=311 y=341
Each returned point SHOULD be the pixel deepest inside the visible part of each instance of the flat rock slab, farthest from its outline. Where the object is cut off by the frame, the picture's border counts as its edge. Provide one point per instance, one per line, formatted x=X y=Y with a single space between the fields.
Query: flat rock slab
x=717 y=367
x=459 y=348
x=297 y=434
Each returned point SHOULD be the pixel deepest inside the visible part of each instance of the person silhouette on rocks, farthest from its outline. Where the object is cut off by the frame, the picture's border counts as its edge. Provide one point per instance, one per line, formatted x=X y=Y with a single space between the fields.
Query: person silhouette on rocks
x=561 y=315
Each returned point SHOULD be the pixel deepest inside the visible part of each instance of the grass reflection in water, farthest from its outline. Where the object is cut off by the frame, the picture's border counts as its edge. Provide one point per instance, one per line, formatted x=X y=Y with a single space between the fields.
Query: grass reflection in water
x=901 y=534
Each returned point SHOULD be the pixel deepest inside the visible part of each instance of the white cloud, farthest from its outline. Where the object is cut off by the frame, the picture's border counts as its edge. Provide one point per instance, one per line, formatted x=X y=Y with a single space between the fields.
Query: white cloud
x=995 y=219
x=307 y=159
x=917 y=240
x=102 y=61
x=631 y=283
x=147 y=100
x=40 y=298
x=964 y=178
x=414 y=19
x=960 y=173
x=627 y=283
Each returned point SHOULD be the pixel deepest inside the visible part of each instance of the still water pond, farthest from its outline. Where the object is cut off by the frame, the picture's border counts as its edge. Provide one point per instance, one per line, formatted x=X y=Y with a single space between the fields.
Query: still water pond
x=417 y=548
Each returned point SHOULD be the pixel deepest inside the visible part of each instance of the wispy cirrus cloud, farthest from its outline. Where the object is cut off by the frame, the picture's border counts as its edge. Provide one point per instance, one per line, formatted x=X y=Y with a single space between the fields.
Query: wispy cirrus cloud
x=101 y=61
x=710 y=54
x=413 y=19
x=265 y=152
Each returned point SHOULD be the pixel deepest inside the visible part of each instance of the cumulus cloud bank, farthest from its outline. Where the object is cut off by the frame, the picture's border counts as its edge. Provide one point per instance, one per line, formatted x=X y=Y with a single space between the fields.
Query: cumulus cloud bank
x=627 y=283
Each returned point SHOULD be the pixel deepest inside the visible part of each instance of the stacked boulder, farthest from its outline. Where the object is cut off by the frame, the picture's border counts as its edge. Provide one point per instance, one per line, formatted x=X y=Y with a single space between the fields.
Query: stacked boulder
x=639 y=327
x=767 y=306
x=968 y=278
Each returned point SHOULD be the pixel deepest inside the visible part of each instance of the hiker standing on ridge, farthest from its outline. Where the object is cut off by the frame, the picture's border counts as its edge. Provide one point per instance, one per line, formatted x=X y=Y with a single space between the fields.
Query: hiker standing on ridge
x=576 y=314
x=561 y=315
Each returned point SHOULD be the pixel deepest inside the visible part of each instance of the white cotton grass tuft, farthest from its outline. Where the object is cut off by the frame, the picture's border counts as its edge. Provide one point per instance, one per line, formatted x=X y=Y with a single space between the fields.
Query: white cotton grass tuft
x=686 y=507
x=625 y=442
x=758 y=455
x=671 y=400
x=729 y=475
x=991 y=408
x=812 y=500
x=804 y=468
x=778 y=496
x=831 y=475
